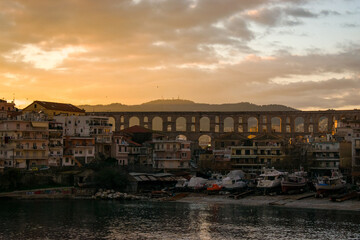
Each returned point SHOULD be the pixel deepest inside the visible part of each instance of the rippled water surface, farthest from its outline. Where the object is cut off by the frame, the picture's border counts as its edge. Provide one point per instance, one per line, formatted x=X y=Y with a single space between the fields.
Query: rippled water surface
x=59 y=219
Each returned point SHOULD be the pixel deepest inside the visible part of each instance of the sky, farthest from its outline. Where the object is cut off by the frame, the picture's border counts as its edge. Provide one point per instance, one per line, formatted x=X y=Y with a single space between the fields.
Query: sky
x=301 y=53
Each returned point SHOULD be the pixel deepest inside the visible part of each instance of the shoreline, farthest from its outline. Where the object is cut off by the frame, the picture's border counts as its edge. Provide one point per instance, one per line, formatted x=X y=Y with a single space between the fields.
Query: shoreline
x=287 y=201
x=301 y=201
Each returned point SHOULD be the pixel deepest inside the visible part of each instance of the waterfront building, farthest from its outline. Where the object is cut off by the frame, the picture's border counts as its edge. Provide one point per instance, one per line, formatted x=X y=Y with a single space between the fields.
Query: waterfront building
x=89 y=126
x=78 y=150
x=170 y=155
x=120 y=149
x=55 y=144
x=349 y=130
x=24 y=144
x=324 y=156
x=54 y=109
x=254 y=154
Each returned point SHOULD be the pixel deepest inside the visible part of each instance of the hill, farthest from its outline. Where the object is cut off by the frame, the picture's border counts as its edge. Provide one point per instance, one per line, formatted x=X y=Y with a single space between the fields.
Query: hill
x=178 y=105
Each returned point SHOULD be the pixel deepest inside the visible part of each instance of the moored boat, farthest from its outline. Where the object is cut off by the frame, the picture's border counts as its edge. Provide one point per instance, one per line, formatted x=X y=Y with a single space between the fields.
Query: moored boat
x=333 y=183
x=234 y=180
x=294 y=181
x=270 y=179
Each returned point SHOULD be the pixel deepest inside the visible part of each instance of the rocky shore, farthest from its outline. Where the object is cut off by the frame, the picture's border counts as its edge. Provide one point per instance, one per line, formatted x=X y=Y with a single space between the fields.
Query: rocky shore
x=112 y=194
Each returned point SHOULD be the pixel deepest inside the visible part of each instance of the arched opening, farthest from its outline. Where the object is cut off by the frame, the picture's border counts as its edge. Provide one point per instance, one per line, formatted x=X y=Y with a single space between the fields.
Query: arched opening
x=275 y=124
x=204 y=124
x=204 y=141
x=180 y=124
x=157 y=124
x=122 y=119
x=228 y=124
x=146 y=119
x=112 y=122
x=181 y=137
x=311 y=128
x=134 y=121
x=299 y=124
x=323 y=124
x=252 y=124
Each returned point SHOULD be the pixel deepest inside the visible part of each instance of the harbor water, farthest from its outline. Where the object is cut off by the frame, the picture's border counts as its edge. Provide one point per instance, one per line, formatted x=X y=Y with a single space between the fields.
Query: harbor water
x=90 y=219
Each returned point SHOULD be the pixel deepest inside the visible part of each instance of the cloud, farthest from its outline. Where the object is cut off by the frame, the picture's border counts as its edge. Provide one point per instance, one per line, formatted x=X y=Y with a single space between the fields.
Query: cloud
x=135 y=51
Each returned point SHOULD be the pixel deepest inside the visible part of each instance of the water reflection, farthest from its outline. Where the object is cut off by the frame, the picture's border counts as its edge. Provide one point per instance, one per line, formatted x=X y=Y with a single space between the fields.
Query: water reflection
x=142 y=220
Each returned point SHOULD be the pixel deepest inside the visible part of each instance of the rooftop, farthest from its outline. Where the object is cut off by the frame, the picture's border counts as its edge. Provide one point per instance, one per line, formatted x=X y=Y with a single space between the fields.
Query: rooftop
x=59 y=106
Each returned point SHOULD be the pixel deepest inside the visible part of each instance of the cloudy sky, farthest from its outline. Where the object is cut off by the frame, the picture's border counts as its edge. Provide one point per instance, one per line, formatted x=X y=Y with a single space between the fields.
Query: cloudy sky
x=301 y=53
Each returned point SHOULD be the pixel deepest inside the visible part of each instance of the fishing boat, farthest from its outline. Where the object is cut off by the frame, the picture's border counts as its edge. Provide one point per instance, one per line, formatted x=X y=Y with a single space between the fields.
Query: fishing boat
x=293 y=182
x=270 y=179
x=333 y=183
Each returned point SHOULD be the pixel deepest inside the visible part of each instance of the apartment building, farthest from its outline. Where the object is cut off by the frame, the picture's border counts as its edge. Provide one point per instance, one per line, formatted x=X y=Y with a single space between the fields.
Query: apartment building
x=169 y=155
x=89 y=126
x=54 y=109
x=24 y=144
x=55 y=144
x=324 y=156
x=78 y=150
x=262 y=151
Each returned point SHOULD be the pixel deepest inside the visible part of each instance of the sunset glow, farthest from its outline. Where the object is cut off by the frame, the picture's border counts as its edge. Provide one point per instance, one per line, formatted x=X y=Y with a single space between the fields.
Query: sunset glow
x=304 y=54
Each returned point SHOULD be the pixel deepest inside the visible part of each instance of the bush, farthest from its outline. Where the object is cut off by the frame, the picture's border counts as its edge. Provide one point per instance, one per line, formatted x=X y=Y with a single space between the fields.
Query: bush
x=111 y=178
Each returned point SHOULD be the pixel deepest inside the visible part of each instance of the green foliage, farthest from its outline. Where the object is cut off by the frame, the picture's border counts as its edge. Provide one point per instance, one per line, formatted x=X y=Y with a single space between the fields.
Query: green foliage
x=10 y=180
x=101 y=162
x=111 y=178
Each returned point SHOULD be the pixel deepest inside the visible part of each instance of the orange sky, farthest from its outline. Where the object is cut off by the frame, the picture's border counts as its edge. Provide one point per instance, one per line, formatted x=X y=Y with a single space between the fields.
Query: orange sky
x=304 y=54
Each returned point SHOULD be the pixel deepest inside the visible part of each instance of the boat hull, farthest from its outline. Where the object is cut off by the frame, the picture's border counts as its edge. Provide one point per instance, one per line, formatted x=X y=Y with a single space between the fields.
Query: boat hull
x=286 y=186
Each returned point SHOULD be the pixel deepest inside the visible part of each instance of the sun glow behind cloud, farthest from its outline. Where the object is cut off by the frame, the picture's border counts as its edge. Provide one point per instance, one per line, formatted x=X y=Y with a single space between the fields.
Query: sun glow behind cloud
x=43 y=59
x=132 y=51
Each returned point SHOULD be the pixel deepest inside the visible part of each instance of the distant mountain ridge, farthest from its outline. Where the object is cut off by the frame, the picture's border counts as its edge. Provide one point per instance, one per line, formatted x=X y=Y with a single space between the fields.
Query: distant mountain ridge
x=179 y=105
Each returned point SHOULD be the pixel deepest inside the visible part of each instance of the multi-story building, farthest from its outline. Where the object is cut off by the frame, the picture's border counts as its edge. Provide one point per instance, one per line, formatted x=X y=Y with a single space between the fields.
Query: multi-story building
x=120 y=149
x=24 y=144
x=170 y=155
x=55 y=144
x=78 y=150
x=324 y=156
x=348 y=130
x=89 y=126
x=54 y=109
x=6 y=106
x=254 y=154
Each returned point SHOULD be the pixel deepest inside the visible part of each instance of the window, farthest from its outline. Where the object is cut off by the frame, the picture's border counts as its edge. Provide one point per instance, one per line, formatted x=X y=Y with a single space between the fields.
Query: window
x=90 y=151
x=169 y=119
x=193 y=119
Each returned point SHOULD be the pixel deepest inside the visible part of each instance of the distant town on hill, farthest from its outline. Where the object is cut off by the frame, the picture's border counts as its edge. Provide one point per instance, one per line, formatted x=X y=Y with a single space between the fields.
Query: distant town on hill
x=177 y=105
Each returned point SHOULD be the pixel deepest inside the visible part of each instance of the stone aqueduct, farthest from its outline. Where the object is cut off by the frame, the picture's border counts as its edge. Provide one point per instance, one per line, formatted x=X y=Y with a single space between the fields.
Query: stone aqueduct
x=214 y=124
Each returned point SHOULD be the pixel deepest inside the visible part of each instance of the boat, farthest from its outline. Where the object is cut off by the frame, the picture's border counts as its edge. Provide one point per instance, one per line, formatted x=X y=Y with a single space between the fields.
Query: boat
x=328 y=184
x=234 y=180
x=197 y=183
x=293 y=182
x=270 y=179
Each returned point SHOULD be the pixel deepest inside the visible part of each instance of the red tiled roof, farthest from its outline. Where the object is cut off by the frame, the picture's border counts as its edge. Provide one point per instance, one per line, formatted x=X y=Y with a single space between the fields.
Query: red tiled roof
x=59 y=106
x=136 y=129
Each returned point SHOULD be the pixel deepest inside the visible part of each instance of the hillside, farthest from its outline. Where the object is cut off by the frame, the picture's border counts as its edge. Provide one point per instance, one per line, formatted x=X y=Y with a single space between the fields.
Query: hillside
x=179 y=105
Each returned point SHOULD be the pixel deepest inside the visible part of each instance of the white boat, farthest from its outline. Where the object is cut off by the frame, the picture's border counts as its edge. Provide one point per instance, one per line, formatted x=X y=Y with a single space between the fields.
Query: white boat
x=234 y=180
x=197 y=183
x=327 y=183
x=271 y=178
